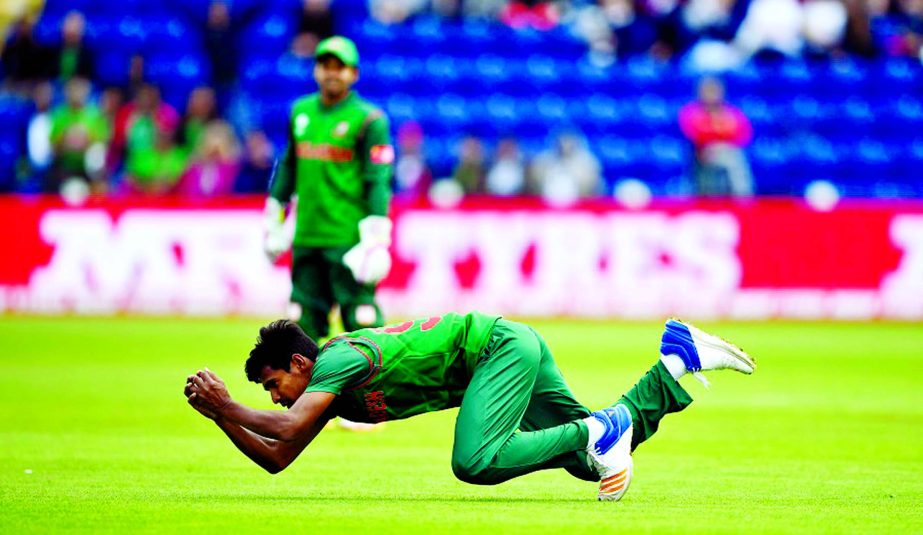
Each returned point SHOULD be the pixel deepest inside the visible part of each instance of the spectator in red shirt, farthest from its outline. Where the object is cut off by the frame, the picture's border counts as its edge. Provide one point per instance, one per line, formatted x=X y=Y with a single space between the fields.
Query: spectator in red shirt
x=136 y=124
x=538 y=14
x=718 y=133
x=909 y=41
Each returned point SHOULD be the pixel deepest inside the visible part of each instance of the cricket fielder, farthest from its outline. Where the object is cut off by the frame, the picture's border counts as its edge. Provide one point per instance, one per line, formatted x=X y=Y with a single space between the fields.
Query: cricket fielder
x=516 y=414
x=338 y=165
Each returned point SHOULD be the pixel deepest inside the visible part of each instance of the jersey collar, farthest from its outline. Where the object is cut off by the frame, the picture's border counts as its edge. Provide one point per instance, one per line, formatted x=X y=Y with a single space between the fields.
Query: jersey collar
x=349 y=98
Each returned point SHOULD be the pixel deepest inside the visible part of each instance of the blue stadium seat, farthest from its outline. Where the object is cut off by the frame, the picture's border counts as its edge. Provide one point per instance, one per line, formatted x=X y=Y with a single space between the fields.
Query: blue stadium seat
x=820 y=151
x=173 y=35
x=604 y=115
x=177 y=76
x=259 y=74
x=502 y=110
x=396 y=74
x=373 y=38
x=271 y=34
x=402 y=107
x=194 y=10
x=552 y=109
x=47 y=30
x=495 y=74
x=348 y=12
x=112 y=67
x=544 y=74
x=898 y=73
x=444 y=74
x=590 y=79
x=427 y=33
x=87 y=7
x=476 y=37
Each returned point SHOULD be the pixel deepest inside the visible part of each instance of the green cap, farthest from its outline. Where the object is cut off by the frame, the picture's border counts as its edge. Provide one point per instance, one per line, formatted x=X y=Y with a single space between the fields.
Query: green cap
x=340 y=48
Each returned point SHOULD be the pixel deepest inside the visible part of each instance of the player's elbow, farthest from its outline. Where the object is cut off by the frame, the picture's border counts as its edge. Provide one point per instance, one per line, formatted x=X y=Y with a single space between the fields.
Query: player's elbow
x=274 y=466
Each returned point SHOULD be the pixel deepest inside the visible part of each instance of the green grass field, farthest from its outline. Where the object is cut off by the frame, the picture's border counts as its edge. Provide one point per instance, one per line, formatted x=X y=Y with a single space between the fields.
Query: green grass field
x=827 y=436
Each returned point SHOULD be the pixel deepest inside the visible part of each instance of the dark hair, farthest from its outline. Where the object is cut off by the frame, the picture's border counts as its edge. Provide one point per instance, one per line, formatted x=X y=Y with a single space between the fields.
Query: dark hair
x=275 y=345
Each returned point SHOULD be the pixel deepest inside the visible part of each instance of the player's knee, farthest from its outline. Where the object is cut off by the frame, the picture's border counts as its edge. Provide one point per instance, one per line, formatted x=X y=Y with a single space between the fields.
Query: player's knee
x=472 y=473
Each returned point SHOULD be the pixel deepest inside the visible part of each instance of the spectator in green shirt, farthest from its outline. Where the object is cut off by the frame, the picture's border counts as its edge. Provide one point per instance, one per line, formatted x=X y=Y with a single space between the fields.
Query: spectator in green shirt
x=79 y=133
x=73 y=58
x=155 y=170
x=201 y=109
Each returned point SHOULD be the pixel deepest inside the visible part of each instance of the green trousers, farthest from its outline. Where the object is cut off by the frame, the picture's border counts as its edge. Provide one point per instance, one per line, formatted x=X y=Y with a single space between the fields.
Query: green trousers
x=320 y=280
x=518 y=415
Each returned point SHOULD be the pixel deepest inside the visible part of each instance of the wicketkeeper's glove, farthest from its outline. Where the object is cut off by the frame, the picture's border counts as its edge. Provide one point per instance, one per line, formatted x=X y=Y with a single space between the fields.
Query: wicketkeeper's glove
x=276 y=241
x=369 y=260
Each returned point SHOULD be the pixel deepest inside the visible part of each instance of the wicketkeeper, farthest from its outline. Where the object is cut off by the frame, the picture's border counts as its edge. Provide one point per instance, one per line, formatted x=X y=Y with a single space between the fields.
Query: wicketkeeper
x=338 y=166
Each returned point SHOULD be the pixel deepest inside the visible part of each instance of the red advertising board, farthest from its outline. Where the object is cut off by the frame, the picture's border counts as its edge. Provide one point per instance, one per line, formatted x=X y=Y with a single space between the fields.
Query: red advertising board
x=750 y=259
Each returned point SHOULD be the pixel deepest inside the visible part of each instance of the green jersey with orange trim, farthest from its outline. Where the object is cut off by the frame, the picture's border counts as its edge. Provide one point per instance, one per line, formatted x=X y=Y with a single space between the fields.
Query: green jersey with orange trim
x=338 y=163
x=402 y=370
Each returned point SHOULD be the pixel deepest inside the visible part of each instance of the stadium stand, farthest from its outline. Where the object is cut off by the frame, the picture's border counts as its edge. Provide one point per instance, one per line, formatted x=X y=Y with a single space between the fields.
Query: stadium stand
x=852 y=120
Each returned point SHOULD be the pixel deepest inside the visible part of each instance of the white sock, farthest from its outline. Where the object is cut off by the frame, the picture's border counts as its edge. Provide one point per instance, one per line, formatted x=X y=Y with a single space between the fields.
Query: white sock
x=674 y=365
x=595 y=428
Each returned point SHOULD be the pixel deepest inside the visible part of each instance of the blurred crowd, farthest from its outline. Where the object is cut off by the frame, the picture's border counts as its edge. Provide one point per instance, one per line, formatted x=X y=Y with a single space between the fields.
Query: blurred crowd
x=567 y=171
x=85 y=138
x=561 y=174
x=716 y=31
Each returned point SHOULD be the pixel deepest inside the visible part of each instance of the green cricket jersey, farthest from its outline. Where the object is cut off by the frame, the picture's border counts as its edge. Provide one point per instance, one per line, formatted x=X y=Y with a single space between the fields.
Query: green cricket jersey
x=338 y=163
x=402 y=370
x=86 y=124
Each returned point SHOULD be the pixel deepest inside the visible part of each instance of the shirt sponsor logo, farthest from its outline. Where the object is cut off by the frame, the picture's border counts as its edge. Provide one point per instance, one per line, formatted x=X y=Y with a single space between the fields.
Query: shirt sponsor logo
x=324 y=152
x=301 y=123
x=381 y=154
x=375 y=406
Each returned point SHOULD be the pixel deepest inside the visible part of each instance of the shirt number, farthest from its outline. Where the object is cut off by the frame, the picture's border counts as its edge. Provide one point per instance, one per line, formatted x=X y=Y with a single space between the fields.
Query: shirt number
x=407 y=325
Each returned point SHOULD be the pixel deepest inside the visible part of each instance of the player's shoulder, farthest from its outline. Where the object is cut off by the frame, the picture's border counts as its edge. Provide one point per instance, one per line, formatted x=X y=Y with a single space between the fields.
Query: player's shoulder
x=350 y=346
x=370 y=110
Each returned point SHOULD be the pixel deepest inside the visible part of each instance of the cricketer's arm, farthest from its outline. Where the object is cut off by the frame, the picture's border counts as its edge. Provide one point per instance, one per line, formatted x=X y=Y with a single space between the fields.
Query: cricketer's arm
x=377 y=158
x=272 y=455
x=281 y=188
x=272 y=439
x=282 y=181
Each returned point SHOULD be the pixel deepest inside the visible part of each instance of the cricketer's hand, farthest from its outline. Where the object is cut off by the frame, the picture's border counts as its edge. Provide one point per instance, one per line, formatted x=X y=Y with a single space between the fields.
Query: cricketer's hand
x=369 y=260
x=276 y=240
x=207 y=393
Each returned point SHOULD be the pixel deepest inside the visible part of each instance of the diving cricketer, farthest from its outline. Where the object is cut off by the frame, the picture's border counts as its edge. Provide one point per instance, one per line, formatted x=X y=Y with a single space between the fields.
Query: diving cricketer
x=338 y=167
x=516 y=414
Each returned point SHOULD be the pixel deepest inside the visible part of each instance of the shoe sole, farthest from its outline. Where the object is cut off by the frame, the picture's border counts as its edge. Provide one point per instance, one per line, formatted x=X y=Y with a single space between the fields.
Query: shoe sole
x=715 y=342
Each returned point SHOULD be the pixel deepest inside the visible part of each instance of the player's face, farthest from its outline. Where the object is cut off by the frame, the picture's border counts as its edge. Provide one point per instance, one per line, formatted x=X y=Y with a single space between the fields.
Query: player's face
x=333 y=77
x=285 y=387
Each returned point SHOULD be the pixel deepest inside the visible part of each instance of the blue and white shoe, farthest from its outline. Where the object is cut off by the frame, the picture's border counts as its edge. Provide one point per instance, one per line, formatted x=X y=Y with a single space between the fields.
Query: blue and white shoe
x=611 y=454
x=701 y=351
